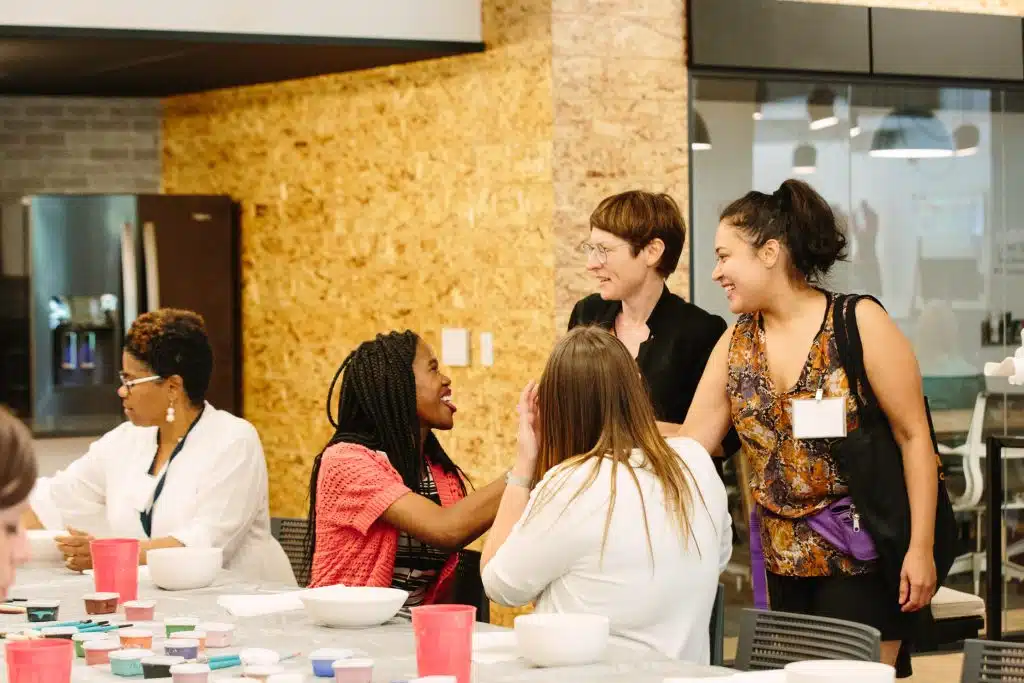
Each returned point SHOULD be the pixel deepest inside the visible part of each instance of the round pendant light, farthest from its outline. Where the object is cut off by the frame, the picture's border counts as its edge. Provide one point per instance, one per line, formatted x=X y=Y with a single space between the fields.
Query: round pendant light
x=965 y=140
x=821 y=108
x=911 y=134
x=701 y=139
x=805 y=160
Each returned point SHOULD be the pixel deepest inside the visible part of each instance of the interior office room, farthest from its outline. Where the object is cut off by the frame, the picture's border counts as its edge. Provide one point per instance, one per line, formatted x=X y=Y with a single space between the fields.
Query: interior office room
x=306 y=180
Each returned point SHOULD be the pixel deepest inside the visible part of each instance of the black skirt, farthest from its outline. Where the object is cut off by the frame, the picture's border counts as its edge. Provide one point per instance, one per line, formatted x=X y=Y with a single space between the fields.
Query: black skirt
x=862 y=599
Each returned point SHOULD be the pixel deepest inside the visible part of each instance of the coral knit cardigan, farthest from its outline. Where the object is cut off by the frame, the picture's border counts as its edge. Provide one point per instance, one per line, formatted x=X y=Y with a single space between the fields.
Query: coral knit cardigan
x=354 y=546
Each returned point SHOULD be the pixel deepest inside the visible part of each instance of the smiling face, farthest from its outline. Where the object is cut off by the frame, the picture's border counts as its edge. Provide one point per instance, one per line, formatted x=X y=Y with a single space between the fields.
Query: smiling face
x=744 y=272
x=434 y=405
x=14 y=548
x=622 y=274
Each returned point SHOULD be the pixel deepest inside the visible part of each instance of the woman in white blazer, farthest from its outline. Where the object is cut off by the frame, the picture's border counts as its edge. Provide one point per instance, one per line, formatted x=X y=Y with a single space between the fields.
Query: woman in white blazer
x=178 y=473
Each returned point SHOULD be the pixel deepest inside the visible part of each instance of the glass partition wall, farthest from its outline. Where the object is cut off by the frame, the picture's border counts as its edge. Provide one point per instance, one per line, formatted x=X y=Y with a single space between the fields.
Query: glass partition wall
x=930 y=183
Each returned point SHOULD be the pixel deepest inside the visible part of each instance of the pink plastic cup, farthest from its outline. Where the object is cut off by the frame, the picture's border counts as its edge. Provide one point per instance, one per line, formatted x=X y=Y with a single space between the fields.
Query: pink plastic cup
x=40 y=661
x=444 y=640
x=115 y=565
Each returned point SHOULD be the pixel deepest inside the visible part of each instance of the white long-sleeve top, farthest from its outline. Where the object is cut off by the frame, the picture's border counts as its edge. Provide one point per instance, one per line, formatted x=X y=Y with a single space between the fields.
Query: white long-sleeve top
x=215 y=493
x=554 y=556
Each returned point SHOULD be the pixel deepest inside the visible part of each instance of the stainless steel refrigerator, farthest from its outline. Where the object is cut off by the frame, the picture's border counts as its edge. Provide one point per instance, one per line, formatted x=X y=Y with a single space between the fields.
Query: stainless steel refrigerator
x=76 y=270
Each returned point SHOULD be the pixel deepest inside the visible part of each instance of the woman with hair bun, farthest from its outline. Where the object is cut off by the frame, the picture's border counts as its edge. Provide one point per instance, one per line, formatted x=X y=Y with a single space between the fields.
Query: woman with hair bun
x=773 y=250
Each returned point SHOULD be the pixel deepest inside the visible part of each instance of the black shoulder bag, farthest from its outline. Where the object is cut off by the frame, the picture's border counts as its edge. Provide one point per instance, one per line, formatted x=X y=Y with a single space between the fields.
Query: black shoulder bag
x=871 y=463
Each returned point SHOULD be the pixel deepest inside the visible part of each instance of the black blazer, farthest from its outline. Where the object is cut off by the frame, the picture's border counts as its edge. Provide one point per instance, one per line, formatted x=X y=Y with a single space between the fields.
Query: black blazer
x=672 y=359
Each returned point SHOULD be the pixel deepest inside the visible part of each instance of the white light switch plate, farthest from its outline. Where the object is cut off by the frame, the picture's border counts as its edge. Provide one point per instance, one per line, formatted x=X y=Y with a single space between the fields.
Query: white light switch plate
x=486 y=349
x=455 y=347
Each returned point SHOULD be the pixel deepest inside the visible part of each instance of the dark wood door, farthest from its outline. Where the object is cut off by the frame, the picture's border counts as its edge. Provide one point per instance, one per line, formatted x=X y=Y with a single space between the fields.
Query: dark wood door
x=191 y=252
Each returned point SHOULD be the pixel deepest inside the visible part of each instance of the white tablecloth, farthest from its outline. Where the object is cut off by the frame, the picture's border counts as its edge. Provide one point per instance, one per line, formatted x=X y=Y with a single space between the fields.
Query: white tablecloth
x=391 y=646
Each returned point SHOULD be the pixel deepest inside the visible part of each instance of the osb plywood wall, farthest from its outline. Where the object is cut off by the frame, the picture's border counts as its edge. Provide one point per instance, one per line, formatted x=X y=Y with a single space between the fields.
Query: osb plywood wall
x=414 y=197
x=1012 y=7
x=620 y=120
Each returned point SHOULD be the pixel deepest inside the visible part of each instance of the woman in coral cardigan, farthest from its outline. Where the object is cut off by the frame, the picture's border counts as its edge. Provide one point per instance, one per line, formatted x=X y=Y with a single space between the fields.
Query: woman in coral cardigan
x=387 y=506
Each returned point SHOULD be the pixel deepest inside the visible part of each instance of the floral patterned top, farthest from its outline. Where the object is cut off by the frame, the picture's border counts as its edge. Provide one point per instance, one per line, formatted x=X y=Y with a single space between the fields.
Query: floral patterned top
x=790 y=478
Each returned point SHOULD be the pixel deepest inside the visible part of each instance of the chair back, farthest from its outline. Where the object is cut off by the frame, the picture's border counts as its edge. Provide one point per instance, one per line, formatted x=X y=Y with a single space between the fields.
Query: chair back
x=469 y=587
x=717 y=628
x=771 y=640
x=290 y=532
x=991 y=661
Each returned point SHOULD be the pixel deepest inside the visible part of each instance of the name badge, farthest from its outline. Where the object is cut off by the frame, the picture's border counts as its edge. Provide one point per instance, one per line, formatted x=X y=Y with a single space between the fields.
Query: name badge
x=819 y=418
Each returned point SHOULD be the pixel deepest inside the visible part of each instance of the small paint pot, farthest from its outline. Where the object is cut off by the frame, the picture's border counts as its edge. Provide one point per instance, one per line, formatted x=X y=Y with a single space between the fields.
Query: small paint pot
x=42 y=610
x=287 y=678
x=258 y=655
x=63 y=632
x=80 y=639
x=139 y=610
x=261 y=672
x=174 y=625
x=101 y=603
x=136 y=638
x=324 y=658
x=190 y=673
x=218 y=635
x=97 y=652
x=182 y=647
x=196 y=635
x=128 y=662
x=159 y=666
x=353 y=670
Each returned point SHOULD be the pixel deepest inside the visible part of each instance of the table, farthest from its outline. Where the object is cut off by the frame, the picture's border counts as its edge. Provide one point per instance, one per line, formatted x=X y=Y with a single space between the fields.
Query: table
x=391 y=645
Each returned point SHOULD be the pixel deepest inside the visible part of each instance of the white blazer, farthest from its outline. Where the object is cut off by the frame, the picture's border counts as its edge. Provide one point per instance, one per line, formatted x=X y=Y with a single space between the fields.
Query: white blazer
x=214 y=495
x=554 y=557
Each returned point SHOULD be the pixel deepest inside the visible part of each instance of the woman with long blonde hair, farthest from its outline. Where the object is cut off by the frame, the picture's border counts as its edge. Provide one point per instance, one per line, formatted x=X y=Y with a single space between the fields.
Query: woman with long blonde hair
x=622 y=523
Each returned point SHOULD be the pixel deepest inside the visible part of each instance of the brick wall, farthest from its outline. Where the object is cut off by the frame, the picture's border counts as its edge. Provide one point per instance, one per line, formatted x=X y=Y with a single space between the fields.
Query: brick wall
x=50 y=144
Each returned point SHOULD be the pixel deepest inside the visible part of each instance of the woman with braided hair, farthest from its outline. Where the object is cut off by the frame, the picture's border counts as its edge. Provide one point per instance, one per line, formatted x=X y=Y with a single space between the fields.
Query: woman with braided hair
x=387 y=506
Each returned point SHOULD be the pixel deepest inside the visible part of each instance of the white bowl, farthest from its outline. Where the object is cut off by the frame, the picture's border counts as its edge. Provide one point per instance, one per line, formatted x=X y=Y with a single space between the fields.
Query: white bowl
x=839 y=671
x=182 y=569
x=43 y=547
x=561 y=639
x=352 y=606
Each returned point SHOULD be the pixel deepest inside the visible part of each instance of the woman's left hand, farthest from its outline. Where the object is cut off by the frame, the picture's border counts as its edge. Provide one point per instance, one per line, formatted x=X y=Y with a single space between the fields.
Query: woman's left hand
x=75 y=548
x=917 y=579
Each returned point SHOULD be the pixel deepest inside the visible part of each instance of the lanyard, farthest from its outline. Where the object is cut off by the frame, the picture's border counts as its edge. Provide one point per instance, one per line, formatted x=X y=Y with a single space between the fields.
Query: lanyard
x=146 y=516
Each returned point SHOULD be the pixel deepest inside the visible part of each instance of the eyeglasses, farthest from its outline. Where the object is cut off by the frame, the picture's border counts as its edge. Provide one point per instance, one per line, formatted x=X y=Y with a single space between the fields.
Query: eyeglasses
x=598 y=250
x=129 y=383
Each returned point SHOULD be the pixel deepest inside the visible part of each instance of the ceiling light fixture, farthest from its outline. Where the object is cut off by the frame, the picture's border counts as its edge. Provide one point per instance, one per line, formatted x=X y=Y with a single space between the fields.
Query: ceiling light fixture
x=805 y=160
x=701 y=138
x=821 y=108
x=965 y=140
x=910 y=133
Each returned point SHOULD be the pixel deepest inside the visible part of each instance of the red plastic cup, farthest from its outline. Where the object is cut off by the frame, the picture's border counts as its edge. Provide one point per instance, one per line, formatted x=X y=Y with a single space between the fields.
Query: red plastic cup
x=47 y=660
x=444 y=640
x=115 y=566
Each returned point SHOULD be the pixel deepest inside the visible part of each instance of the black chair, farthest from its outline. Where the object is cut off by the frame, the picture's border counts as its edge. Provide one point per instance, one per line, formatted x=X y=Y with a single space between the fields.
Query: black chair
x=990 y=661
x=717 y=628
x=771 y=640
x=290 y=532
x=469 y=588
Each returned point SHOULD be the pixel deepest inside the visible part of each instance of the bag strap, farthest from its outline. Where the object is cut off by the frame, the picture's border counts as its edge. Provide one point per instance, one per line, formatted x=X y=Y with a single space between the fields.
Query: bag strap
x=851 y=350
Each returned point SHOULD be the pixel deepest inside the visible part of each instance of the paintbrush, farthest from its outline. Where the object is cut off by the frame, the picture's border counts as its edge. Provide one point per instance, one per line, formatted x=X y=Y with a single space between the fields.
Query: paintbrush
x=228 y=661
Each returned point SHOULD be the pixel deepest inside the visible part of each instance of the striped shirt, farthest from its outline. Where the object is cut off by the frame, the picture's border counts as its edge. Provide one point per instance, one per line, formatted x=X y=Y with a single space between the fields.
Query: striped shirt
x=417 y=565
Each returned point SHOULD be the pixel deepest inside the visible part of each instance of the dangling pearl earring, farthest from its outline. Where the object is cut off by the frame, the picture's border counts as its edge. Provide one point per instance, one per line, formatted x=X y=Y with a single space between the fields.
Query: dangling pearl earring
x=170 y=413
